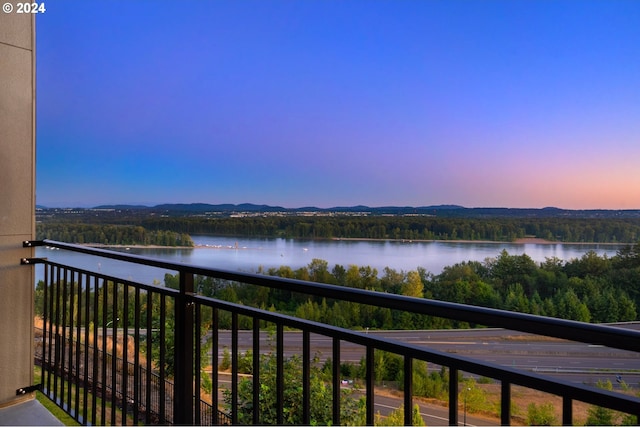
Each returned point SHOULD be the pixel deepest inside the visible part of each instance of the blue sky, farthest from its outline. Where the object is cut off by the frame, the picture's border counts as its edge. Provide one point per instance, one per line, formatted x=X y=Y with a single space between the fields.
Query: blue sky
x=333 y=103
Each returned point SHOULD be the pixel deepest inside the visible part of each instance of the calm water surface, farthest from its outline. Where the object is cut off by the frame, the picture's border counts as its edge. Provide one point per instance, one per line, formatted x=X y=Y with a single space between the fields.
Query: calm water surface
x=246 y=254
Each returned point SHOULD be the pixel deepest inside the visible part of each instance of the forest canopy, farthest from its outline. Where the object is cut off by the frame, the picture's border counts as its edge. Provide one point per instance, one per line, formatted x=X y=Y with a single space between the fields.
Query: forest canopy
x=596 y=230
x=107 y=234
x=410 y=228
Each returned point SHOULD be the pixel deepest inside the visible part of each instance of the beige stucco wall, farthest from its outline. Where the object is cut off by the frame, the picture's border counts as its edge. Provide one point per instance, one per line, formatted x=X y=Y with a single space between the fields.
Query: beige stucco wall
x=17 y=201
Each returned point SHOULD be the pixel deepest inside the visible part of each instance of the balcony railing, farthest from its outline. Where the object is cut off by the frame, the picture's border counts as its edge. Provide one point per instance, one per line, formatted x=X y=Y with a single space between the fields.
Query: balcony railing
x=118 y=352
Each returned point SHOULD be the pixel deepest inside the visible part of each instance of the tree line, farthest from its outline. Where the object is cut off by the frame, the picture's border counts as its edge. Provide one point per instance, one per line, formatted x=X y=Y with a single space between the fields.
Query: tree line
x=136 y=230
x=108 y=234
x=626 y=230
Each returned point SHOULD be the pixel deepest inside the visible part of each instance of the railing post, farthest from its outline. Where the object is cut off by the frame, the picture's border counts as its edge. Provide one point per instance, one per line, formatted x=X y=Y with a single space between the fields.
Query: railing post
x=183 y=353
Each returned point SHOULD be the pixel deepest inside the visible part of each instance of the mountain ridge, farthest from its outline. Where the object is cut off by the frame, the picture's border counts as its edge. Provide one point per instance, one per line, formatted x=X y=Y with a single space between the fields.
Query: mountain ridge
x=449 y=210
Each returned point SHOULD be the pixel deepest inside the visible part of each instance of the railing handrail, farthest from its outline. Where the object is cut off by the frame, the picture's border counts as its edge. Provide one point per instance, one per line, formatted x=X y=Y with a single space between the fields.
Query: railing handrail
x=609 y=336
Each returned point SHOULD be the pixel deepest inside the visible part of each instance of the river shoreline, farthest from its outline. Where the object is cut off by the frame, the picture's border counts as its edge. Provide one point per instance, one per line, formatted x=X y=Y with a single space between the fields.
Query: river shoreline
x=252 y=255
x=127 y=247
x=520 y=241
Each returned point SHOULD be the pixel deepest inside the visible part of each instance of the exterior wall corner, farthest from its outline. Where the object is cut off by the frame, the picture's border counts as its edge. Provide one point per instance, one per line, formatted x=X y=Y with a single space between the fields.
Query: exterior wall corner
x=17 y=202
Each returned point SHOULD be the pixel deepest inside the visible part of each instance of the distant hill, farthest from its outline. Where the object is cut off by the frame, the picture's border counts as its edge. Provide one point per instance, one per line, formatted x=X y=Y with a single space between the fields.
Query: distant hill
x=197 y=207
x=179 y=209
x=127 y=207
x=204 y=207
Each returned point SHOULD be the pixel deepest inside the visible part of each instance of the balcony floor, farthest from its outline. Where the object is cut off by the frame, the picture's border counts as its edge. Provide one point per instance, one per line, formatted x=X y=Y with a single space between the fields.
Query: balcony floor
x=29 y=413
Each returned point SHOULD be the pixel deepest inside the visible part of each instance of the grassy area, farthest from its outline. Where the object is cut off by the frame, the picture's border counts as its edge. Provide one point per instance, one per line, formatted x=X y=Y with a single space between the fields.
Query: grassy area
x=65 y=418
x=57 y=412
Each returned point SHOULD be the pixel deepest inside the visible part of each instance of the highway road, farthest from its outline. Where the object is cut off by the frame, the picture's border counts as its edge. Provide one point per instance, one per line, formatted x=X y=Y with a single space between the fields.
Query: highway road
x=576 y=362
x=433 y=415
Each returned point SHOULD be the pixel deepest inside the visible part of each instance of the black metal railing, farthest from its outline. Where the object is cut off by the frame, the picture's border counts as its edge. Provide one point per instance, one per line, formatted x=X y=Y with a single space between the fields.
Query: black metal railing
x=128 y=393
x=153 y=329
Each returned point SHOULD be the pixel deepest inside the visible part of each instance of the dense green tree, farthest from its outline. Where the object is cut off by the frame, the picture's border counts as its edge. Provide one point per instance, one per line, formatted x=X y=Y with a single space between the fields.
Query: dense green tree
x=570 y=307
x=590 y=264
x=352 y=410
x=413 y=286
x=396 y=417
x=541 y=415
x=515 y=299
x=429 y=384
x=391 y=281
x=319 y=271
x=628 y=257
x=511 y=269
x=599 y=416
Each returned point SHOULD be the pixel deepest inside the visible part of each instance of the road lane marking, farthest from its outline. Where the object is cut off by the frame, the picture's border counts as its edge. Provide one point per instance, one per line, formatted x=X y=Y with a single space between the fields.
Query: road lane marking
x=445 y=342
x=421 y=413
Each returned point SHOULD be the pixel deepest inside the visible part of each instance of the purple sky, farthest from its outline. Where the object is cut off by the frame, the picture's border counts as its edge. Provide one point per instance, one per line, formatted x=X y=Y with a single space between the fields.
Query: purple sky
x=333 y=103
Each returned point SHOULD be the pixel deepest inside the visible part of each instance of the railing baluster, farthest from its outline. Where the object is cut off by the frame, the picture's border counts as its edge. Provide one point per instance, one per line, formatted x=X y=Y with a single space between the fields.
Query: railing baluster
x=114 y=353
x=69 y=283
x=56 y=360
x=453 y=396
x=197 y=365
x=306 y=377
x=125 y=353
x=234 y=368
x=567 y=411
x=94 y=387
x=149 y=390
x=336 y=381
x=46 y=327
x=51 y=360
x=214 y=362
x=505 y=403
x=136 y=357
x=256 y=371
x=162 y=361
x=77 y=377
x=408 y=391
x=370 y=378
x=280 y=374
x=104 y=364
x=63 y=340
x=87 y=331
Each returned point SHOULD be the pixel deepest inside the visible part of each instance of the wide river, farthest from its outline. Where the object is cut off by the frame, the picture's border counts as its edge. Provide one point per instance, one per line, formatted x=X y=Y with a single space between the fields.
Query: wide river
x=247 y=255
